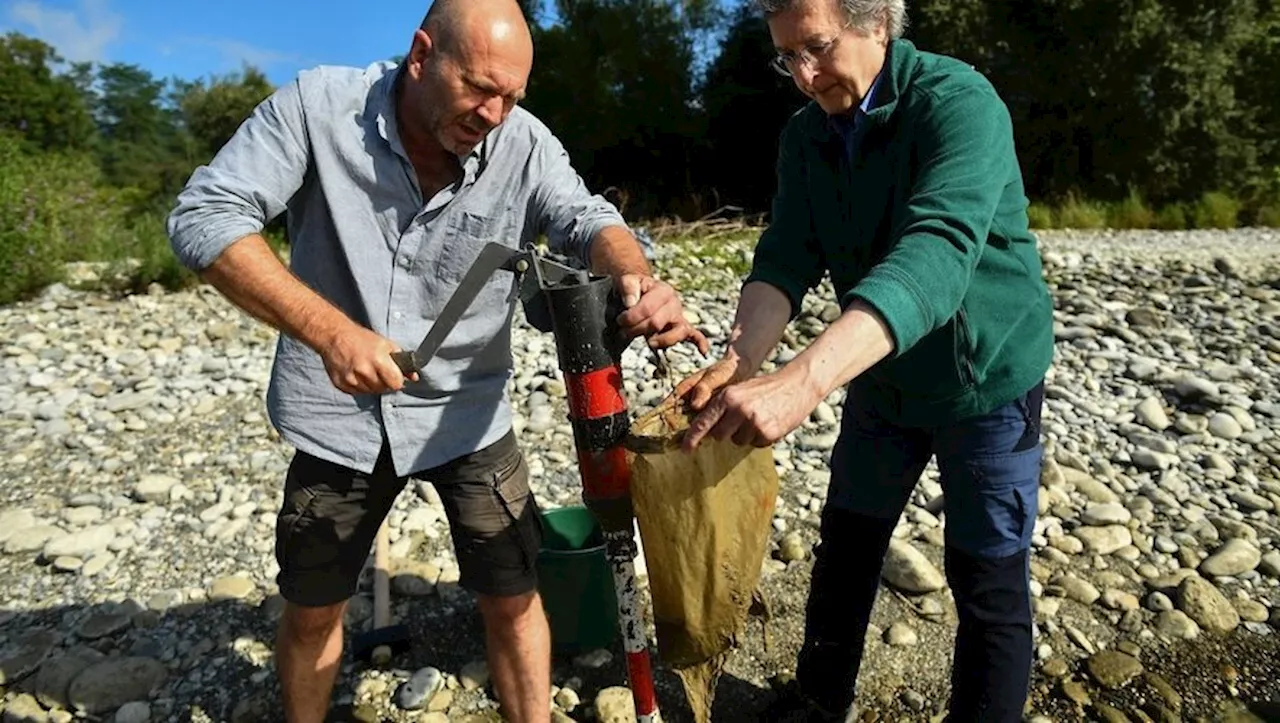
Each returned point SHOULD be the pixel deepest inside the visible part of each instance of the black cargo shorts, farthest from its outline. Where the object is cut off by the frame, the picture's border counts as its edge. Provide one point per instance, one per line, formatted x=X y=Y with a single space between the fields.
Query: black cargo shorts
x=330 y=517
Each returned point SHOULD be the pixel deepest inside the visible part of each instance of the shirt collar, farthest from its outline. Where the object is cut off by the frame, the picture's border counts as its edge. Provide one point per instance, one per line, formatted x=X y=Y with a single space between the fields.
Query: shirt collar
x=850 y=121
x=472 y=162
x=865 y=105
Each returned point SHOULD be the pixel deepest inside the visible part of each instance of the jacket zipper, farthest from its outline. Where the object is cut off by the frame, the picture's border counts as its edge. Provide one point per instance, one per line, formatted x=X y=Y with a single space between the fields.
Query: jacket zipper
x=965 y=359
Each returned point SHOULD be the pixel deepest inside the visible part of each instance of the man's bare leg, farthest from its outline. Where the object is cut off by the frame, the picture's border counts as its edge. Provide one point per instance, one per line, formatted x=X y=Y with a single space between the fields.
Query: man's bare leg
x=518 y=642
x=308 y=651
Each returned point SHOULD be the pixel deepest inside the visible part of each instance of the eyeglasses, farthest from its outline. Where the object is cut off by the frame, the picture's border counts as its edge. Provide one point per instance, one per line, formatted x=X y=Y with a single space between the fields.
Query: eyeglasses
x=811 y=56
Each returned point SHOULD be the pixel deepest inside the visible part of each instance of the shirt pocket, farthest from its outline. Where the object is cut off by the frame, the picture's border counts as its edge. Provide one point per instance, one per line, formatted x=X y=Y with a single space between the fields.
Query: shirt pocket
x=468 y=232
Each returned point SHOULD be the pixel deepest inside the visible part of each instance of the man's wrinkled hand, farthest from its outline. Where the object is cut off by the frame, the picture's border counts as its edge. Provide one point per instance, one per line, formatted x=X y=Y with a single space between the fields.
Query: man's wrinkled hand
x=698 y=388
x=359 y=362
x=653 y=310
x=757 y=412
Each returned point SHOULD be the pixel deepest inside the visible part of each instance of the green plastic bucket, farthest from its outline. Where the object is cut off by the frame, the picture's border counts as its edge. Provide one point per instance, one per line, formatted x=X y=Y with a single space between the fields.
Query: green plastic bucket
x=575 y=582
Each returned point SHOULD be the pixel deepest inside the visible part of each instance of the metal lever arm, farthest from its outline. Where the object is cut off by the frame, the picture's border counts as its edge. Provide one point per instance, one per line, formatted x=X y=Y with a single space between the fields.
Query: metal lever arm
x=493 y=257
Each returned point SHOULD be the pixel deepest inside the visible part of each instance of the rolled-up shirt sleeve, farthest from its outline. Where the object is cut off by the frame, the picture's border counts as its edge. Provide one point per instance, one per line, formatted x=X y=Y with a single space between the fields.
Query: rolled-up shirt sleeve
x=246 y=185
x=565 y=210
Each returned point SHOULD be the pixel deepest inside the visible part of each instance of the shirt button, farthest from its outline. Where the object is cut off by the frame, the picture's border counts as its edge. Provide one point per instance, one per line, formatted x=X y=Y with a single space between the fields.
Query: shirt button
x=404 y=262
x=397 y=315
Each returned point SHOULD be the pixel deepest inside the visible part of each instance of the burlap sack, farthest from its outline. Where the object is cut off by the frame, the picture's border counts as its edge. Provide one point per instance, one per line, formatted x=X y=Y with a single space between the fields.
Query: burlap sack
x=704 y=520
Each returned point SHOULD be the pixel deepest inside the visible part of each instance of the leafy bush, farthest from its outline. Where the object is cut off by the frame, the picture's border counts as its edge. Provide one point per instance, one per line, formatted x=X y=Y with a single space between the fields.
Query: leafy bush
x=53 y=211
x=40 y=198
x=1268 y=214
x=1216 y=210
x=1172 y=217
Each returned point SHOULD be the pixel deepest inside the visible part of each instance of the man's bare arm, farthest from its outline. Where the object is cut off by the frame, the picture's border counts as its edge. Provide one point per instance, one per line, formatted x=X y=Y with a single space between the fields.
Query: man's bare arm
x=252 y=277
x=758 y=325
x=653 y=308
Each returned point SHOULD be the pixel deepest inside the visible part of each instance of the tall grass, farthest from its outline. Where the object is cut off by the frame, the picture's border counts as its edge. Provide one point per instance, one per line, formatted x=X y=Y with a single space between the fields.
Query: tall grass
x=1212 y=210
x=1082 y=214
x=1132 y=212
x=1216 y=210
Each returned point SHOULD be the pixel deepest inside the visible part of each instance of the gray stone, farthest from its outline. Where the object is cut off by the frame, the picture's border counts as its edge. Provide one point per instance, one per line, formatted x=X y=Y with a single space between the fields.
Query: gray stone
x=417 y=691
x=1235 y=557
x=25 y=653
x=1104 y=540
x=154 y=488
x=231 y=588
x=900 y=634
x=908 y=570
x=82 y=544
x=1207 y=606
x=23 y=708
x=1111 y=513
x=113 y=682
x=1112 y=668
x=51 y=681
x=474 y=675
x=1079 y=590
x=134 y=712
x=614 y=705
x=1225 y=426
x=1269 y=564
x=792 y=548
x=1151 y=413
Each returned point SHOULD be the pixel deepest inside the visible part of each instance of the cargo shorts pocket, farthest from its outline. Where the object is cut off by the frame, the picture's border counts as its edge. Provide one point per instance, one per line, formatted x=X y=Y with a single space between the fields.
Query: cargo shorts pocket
x=495 y=525
x=512 y=487
x=991 y=502
x=304 y=541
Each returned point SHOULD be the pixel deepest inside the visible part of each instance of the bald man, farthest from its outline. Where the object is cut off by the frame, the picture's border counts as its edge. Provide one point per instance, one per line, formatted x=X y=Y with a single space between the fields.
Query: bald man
x=393 y=177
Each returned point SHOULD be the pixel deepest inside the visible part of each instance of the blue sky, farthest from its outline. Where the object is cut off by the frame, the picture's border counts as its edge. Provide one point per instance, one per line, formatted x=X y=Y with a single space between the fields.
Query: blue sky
x=191 y=40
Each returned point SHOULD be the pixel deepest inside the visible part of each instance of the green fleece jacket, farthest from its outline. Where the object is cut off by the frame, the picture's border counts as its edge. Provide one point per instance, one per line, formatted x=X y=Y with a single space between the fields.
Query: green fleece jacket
x=928 y=224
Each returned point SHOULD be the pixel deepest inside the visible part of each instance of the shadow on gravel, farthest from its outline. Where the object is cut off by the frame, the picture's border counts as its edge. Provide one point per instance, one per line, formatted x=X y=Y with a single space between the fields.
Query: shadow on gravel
x=191 y=662
x=450 y=636
x=212 y=661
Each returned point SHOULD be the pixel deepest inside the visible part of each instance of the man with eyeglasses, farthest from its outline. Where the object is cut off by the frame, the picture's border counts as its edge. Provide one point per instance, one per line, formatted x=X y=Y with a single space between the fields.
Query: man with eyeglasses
x=900 y=180
x=394 y=177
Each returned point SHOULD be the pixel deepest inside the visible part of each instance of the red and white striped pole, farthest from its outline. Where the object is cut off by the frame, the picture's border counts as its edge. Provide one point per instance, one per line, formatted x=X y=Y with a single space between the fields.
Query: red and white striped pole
x=589 y=352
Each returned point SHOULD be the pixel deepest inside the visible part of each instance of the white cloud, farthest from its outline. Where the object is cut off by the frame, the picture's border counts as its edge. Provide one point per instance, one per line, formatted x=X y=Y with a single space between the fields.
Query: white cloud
x=236 y=53
x=78 y=35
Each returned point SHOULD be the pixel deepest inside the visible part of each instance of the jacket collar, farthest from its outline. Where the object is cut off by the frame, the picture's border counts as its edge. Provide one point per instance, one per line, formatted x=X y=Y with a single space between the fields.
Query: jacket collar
x=901 y=58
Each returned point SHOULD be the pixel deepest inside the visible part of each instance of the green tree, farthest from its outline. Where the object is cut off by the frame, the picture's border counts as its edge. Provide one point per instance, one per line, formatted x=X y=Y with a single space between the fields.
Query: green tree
x=137 y=133
x=143 y=146
x=45 y=109
x=1110 y=96
x=746 y=105
x=1256 y=79
x=613 y=79
x=212 y=112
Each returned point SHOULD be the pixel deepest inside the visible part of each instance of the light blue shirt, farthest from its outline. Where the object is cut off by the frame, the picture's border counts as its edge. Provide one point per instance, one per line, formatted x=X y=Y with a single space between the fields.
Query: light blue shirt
x=324 y=149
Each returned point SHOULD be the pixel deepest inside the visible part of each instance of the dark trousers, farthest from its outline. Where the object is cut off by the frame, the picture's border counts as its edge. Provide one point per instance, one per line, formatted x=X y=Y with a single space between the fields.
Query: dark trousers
x=990 y=469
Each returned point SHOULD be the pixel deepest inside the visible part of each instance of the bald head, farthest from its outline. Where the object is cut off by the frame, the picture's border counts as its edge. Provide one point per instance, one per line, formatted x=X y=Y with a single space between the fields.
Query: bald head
x=466 y=70
x=463 y=26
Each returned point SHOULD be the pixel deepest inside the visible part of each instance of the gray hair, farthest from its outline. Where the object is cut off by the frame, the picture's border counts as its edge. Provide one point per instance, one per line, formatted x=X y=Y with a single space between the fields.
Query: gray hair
x=864 y=15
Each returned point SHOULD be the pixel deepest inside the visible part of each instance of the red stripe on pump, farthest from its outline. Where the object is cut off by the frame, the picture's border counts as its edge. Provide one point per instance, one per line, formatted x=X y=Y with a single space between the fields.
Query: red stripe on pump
x=605 y=474
x=641 y=678
x=595 y=394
